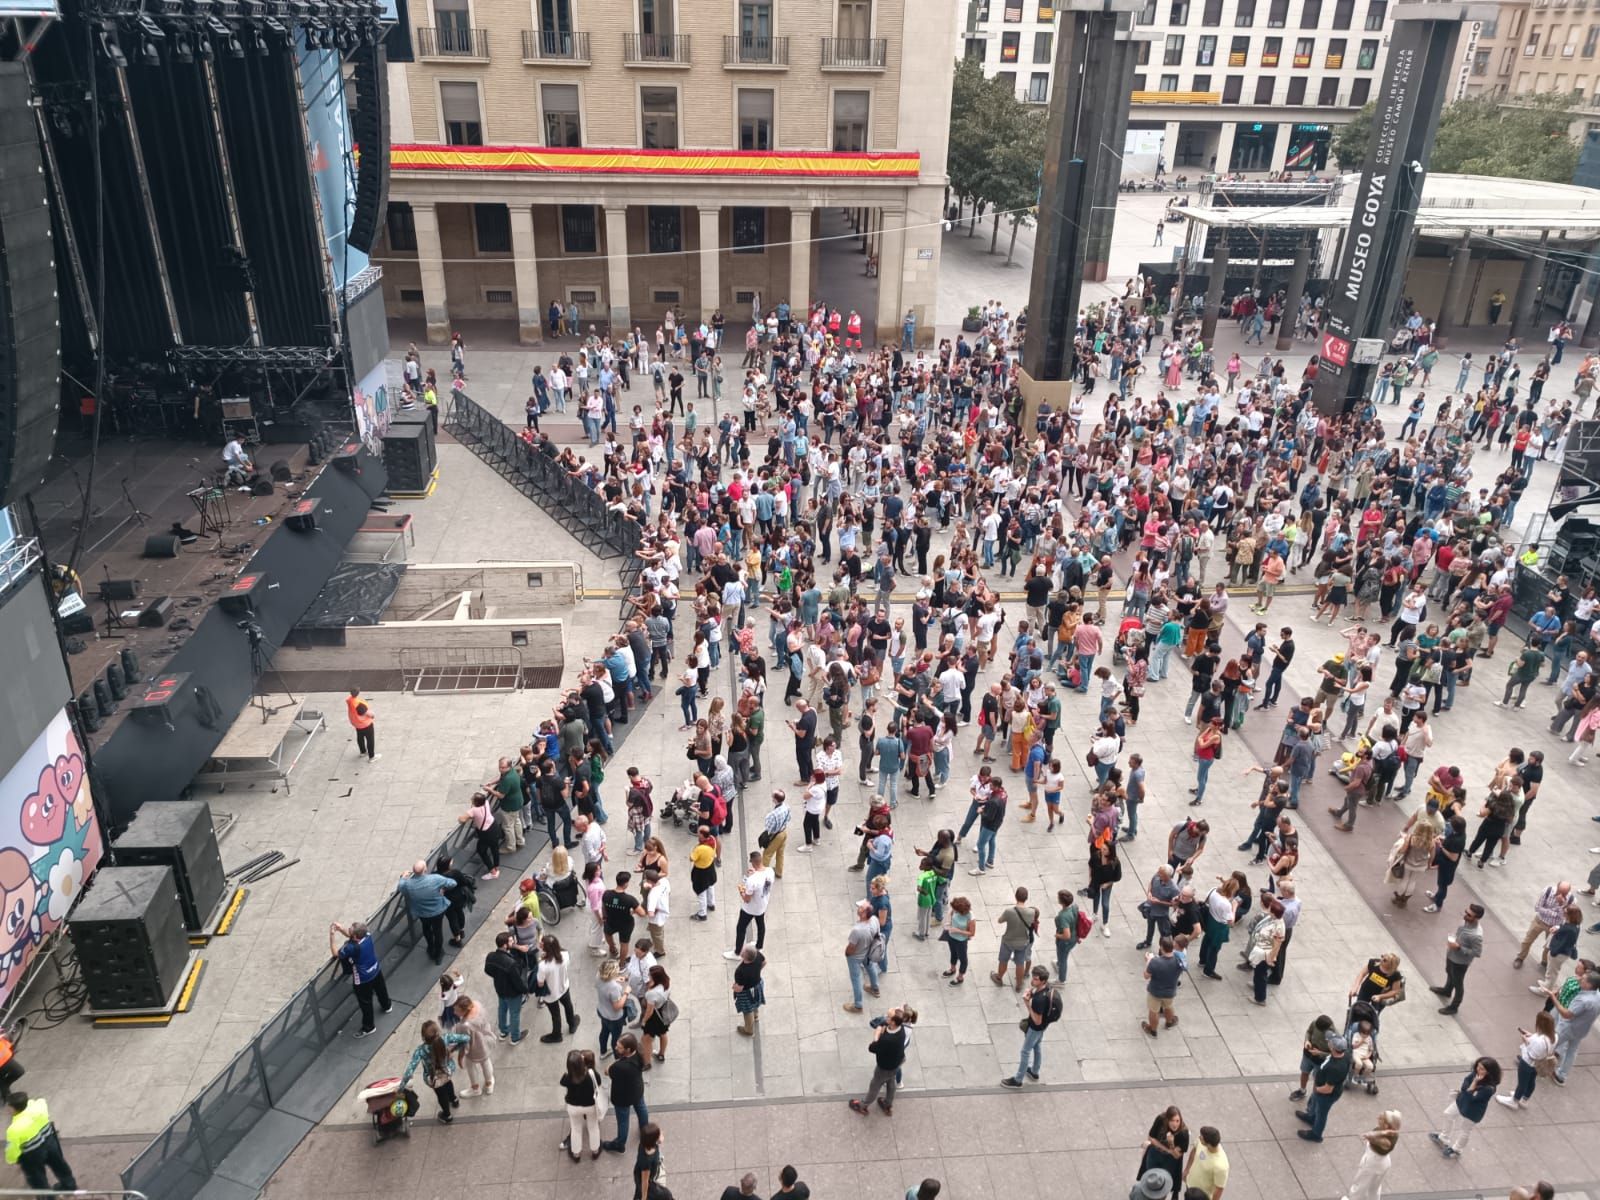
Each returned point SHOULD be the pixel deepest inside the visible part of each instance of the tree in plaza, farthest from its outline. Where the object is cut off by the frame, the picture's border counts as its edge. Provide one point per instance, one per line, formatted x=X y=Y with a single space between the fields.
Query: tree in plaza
x=1015 y=165
x=969 y=144
x=1525 y=138
x=996 y=150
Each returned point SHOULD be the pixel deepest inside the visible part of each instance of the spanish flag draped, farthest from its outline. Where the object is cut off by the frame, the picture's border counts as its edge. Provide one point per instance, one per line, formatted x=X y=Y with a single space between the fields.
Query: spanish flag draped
x=596 y=160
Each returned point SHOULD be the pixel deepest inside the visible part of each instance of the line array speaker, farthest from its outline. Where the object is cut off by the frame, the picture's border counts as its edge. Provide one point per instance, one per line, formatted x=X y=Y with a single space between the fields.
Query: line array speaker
x=371 y=131
x=30 y=334
x=129 y=936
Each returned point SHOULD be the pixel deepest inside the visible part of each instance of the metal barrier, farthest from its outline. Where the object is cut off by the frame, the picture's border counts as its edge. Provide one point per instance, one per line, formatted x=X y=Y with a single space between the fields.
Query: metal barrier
x=437 y=671
x=580 y=510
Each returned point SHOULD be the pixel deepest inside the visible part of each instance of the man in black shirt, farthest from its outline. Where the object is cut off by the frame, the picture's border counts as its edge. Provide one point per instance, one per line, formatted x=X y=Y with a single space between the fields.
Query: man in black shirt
x=617 y=905
x=1327 y=1085
x=627 y=1091
x=745 y=1190
x=804 y=727
x=790 y=1187
x=888 y=1049
x=1282 y=656
x=1532 y=774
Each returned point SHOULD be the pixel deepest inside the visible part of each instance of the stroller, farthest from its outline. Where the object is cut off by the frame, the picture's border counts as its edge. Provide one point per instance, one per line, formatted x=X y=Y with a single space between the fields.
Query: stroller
x=682 y=805
x=1361 y=1031
x=1346 y=762
x=391 y=1108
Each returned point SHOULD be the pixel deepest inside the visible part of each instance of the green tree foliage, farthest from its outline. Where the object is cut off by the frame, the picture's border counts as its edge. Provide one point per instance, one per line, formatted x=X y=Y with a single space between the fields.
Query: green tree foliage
x=1523 y=138
x=996 y=149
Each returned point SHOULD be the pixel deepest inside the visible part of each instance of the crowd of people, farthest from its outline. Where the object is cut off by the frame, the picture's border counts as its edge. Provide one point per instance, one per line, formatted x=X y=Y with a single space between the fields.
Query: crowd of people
x=842 y=528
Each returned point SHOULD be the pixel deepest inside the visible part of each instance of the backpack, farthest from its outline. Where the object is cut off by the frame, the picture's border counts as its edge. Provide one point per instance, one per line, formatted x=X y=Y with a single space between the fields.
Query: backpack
x=1057 y=1007
x=1085 y=926
x=878 y=951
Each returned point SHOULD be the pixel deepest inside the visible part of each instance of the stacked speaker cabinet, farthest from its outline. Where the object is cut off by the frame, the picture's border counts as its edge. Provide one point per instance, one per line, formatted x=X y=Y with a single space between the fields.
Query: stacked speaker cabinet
x=30 y=336
x=178 y=834
x=129 y=937
x=408 y=456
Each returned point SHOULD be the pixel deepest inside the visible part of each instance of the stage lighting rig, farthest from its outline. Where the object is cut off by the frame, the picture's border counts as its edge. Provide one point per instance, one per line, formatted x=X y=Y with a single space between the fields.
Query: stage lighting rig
x=110 y=47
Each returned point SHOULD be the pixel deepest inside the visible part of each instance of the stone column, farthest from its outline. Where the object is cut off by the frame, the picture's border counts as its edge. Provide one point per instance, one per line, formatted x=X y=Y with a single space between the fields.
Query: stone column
x=525 y=260
x=430 y=262
x=1528 y=287
x=1297 y=287
x=891 y=274
x=1219 y=272
x=1280 y=146
x=1224 y=146
x=1454 y=309
x=799 y=262
x=1590 y=337
x=617 y=295
x=710 y=262
x=1169 y=145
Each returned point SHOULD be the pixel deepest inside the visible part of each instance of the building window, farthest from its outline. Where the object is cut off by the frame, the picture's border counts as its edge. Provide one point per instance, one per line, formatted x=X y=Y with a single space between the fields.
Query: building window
x=658 y=108
x=1010 y=46
x=402 y=226
x=1344 y=11
x=975 y=48
x=1302 y=52
x=1245 y=15
x=1271 y=51
x=755 y=118
x=1008 y=80
x=1589 y=41
x=1328 y=94
x=1208 y=51
x=1169 y=83
x=555 y=21
x=452 y=25
x=1238 y=52
x=749 y=230
x=1264 y=89
x=1297 y=90
x=1311 y=14
x=1480 y=62
x=1277 y=14
x=1359 y=91
x=1147 y=14
x=1179 y=13
x=1211 y=15
x=1142 y=54
x=755 y=25
x=1047 y=10
x=1138 y=83
x=855 y=19
x=561 y=124
x=463 y=119
x=1491 y=28
x=1172 y=51
x=1367 y=55
x=656 y=18
x=1200 y=83
x=1232 y=89
x=578 y=229
x=1377 y=13
x=850 y=120
x=665 y=225
x=1039 y=87
x=491 y=226
x=1013 y=12
x=1044 y=47
x=1335 y=58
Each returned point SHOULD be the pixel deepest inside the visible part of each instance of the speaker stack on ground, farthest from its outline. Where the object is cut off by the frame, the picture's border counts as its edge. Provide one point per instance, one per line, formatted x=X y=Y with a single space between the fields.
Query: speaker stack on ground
x=178 y=834
x=157 y=613
x=409 y=455
x=30 y=334
x=129 y=937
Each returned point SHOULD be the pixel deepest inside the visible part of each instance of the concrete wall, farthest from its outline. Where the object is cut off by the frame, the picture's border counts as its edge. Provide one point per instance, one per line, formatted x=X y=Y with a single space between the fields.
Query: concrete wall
x=371 y=655
x=499 y=590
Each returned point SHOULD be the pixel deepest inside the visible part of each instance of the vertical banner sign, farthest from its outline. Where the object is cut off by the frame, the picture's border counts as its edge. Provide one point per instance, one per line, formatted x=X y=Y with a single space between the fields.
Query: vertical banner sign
x=1372 y=269
x=1469 y=51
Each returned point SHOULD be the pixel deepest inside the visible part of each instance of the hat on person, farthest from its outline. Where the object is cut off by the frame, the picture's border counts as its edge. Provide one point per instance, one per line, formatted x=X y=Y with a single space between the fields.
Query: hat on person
x=1154 y=1184
x=1338 y=1045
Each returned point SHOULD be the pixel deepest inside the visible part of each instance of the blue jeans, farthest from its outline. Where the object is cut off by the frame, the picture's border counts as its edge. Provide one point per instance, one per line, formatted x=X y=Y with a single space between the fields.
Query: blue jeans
x=858 y=967
x=511 y=1015
x=1319 y=1106
x=1030 y=1051
x=1063 y=952
x=610 y=1031
x=1159 y=657
x=1294 y=790
x=641 y=837
x=888 y=783
x=1102 y=771
x=1102 y=903
x=639 y=1109
x=985 y=848
x=1085 y=670
x=874 y=869
x=971 y=820
x=1133 y=818
x=1202 y=768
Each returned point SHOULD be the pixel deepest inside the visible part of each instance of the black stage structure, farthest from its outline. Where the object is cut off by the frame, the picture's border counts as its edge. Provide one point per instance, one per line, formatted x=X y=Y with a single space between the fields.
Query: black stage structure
x=183 y=224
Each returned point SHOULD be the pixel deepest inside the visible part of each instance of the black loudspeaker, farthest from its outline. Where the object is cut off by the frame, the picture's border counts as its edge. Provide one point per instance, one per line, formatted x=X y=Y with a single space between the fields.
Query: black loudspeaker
x=260 y=485
x=408 y=457
x=157 y=614
x=130 y=665
x=370 y=121
x=346 y=457
x=119 y=589
x=88 y=712
x=244 y=595
x=81 y=621
x=116 y=680
x=178 y=834
x=302 y=517
x=161 y=545
x=280 y=471
x=102 y=699
x=30 y=334
x=129 y=937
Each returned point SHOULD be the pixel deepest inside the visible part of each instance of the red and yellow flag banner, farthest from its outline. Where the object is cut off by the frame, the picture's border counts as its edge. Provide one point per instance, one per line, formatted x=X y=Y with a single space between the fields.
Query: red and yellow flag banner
x=587 y=160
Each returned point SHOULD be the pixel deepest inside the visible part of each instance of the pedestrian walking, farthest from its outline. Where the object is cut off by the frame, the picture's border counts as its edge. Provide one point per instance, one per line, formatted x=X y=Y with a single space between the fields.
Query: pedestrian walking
x=1163 y=975
x=1067 y=930
x=1019 y=926
x=888 y=1047
x=862 y=953
x=33 y=1144
x=749 y=993
x=1375 y=1160
x=957 y=933
x=474 y=1022
x=657 y=1018
x=1467 y=1107
x=553 y=986
x=359 y=710
x=1549 y=914
x=436 y=1058
x=583 y=1094
x=1043 y=1006
x=508 y=972
x=1460 y=949
x=1536 y=1055
x=359 y=958
x=1327 y=1085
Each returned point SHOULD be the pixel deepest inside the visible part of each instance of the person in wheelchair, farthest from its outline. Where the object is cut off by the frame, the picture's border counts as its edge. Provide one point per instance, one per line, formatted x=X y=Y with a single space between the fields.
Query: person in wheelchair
x=562 y=880
x=236 y=462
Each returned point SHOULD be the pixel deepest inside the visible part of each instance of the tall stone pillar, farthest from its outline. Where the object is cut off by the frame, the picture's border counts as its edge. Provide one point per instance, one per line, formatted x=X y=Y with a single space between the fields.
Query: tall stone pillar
x=525 y=260
x=799 y=261
x=1219 y=273
x=1280 y=146
x=1533 y=268
x=891 y=275
x=430 y=262
x=1455 y=311
x=710 y=262
x=1297 y=289
x=1224 y=154
x=1108 y=162
x=618 y=297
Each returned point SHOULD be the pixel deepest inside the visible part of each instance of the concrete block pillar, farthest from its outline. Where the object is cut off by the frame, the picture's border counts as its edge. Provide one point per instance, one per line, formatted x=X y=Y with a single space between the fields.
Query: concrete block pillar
x=891 y=276
x=1280 y=146
x=525 y=260
x=617 y=294
x=1297 y=288
x=710 y=262
x=430 y=262
x=799 y=261
x=1523 y=303
x=1169 y=145
x=1455 y=309
x=1219 y=273
x=1224 y=147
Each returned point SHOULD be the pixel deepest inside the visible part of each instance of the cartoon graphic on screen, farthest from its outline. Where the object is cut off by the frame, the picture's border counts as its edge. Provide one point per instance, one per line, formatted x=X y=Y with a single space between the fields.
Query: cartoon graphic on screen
x=19 y=913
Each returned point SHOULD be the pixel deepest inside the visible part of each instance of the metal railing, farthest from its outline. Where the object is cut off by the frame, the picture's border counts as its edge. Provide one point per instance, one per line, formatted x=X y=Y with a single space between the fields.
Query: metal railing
x=445 y=670
x=741 y=51
x=450 y=41
x=865 y=54
x=554 y=45
x=655 y=48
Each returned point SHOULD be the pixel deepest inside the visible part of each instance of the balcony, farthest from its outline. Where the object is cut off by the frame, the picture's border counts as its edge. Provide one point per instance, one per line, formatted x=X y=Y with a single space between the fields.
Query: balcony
x=655 y=49
x=741 y=51
x=449 y=41
x=855 y=54
x=555 y=47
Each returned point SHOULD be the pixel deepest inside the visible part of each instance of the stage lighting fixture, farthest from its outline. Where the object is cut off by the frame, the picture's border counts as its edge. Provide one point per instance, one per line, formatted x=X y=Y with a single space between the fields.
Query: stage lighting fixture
x=276 y=28
x=181 y=46
x=109 y=46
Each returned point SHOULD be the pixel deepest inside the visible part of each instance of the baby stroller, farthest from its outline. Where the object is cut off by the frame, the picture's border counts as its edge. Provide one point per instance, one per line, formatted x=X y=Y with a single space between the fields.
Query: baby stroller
x=1361 y=1032
x=391 y=1107
x=1402 y=340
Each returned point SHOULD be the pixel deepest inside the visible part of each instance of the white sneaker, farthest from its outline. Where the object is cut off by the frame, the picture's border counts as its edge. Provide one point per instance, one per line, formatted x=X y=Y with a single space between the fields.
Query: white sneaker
x=469 y=1093
x=731 y=955
x=488 y=1088
x=1432 y=908
x=1498 y=862
x=1594 y=849
x=802 y=849
x=1188 y=720
x=1106 y=929
x=977 y=871
x=1537 y=988
x=1507 y=1101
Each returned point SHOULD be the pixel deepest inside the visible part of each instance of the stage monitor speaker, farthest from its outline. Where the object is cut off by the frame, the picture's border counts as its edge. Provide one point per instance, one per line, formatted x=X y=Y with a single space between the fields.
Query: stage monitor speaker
x=102 y=699
x=346 y=457
x=162 y=699
x=178 y=834
x=119 y=589
x=30 y=314
x=129 y=938
x=260 y=485
x=280 y=471
x=81 y=621
x=245 y=595
x=88 y=712
x=408 y=457
x=157 y=613
x=302 y=517
x=116 y=680
x=130 y=665
x=161 y=545
x=370 y=115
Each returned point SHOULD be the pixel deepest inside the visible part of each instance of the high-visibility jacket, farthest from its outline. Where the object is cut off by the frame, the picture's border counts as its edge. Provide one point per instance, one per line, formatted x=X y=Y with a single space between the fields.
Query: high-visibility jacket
x=359 y=720
x=29 y=1130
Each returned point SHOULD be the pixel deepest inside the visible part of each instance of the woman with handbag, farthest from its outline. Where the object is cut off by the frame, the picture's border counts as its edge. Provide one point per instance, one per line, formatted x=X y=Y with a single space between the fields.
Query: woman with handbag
x=553 y=986
x=585 y=1100
x=436 y=1059
x=1537 y=1056
x=472 y=1020
x=611 y=1004
x=660 y=1011
x=488 y=830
